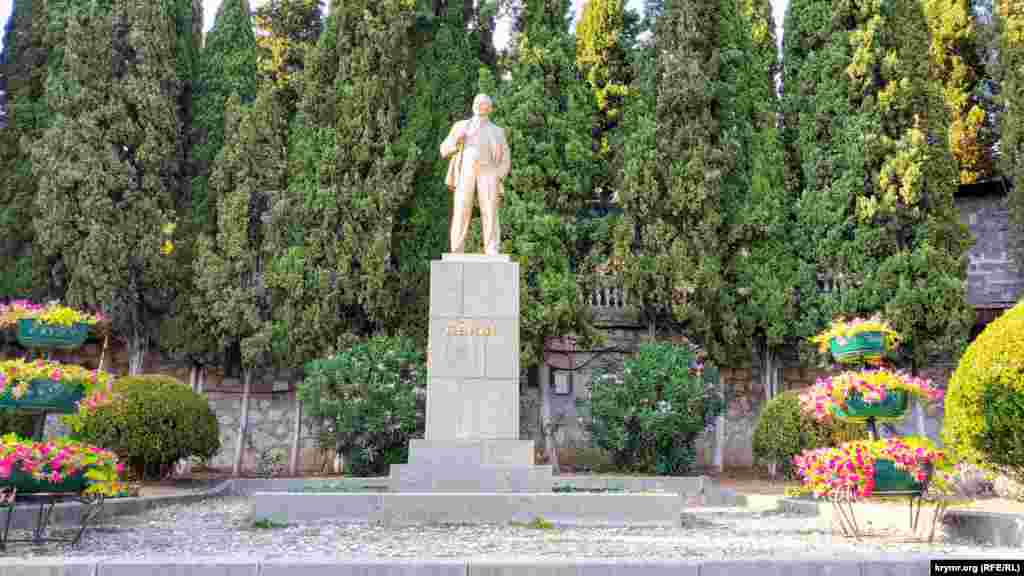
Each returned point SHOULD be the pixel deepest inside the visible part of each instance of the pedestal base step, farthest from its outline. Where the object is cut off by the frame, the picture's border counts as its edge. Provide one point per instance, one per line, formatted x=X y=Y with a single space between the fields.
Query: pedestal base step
x=476 y=508
x=471 y=452
x=468 y=478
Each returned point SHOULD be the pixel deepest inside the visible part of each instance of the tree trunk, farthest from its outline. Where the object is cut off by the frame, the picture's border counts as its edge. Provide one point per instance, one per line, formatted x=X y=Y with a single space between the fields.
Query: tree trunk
x=136 y=354
x=193 y=377
x=550 y=446
x=201 y=380
x=918 y=407
x=243 y=422
x=293 y=464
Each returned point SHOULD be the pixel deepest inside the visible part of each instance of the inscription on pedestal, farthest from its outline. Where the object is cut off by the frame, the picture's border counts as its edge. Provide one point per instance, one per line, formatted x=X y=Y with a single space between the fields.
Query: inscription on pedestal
x=470 y=328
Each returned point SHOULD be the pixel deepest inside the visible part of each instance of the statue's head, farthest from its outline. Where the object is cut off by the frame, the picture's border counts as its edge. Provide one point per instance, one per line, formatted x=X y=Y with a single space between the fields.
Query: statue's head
x=482 y=105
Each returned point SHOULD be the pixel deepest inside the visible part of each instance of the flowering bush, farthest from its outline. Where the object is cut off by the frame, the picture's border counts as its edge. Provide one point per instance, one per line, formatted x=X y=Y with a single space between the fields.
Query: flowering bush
x=872 y=385
x=851 y=467
x=842 y=329
x=16 y=375
x=53 y=313
x=55 y=461
x=97 y=400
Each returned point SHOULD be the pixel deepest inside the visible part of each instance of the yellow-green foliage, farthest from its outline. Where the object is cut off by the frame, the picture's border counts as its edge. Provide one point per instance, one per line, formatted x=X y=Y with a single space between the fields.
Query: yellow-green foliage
x=957 y=70
x=783 y=431
x=994 y=361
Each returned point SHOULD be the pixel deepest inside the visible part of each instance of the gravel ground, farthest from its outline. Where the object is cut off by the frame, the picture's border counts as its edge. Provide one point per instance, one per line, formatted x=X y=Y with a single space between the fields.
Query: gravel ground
x=223 y=527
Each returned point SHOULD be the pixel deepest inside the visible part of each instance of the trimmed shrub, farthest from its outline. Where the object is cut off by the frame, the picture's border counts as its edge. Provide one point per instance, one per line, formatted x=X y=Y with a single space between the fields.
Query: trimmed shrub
x=984 y=416
x=784 y=430
x=649 y=415
x=155 y=421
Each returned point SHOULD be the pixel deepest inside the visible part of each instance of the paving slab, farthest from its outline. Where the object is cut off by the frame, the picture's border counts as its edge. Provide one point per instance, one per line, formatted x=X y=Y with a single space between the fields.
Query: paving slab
x=583 y=568
x=197 y=567
x=472 y=508
x=367 y=568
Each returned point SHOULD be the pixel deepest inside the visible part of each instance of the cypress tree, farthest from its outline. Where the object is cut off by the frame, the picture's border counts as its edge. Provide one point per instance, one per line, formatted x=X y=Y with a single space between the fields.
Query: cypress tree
x=446 y=73
x=22 y=82
x=110 y=165
x=547 y=111
x=957 y=66
x=1011 y=68
x=288 y=30
x=601 y=56
x=867 y=137
x=230 y=264
x=227 y=66
x=332 y=272
x=755 y=199
x=674 y=245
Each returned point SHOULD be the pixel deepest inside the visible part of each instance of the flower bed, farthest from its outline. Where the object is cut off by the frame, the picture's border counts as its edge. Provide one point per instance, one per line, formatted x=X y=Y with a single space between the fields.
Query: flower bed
x=43 y=384
x=58 y=465
x=855 y=391
x=866 y=466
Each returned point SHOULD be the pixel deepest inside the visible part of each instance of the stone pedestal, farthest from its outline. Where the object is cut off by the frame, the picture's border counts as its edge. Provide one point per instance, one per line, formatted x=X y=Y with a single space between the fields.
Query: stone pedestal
x=472 y=430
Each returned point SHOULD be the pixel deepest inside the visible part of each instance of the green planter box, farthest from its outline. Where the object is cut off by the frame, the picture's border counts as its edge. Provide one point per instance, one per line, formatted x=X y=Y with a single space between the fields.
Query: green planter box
x=862 y=347
x=45 y=396
x=26 y=484
x=892 y=407
x=888 y=478
x=35 y=334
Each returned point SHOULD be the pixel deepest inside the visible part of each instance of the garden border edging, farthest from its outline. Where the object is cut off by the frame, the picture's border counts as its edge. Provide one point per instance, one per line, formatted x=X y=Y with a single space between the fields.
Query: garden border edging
x=66 y=513
x=881 y=566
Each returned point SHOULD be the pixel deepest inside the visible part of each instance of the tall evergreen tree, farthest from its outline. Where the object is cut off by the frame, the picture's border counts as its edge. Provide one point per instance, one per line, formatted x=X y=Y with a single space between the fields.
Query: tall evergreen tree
x=22 y=76
x=1011 y=120
x=957 y=66
x=755 y=199
x=332 y=272
x=287 y=30
x=110 y=166
x=446 y=73
x=866 y=133
x=229 y=267
x=547 y=111
x=602 y=57
x=674 y=246
x=227 y=66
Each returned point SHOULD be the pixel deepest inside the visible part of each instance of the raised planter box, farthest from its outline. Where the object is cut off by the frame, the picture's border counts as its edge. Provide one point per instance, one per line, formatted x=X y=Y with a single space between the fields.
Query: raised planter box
x=862 y=347
x=35 y=334
x=892 y=407
x=45 y=396
x=889 y=478
x=26 y=484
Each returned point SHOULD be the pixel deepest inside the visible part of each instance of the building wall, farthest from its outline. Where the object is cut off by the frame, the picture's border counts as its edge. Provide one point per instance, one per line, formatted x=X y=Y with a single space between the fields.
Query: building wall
x=994 y=279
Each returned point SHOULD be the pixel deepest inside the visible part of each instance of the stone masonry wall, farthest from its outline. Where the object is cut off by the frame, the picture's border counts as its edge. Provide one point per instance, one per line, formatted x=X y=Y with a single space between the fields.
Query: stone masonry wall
x=993 y=278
